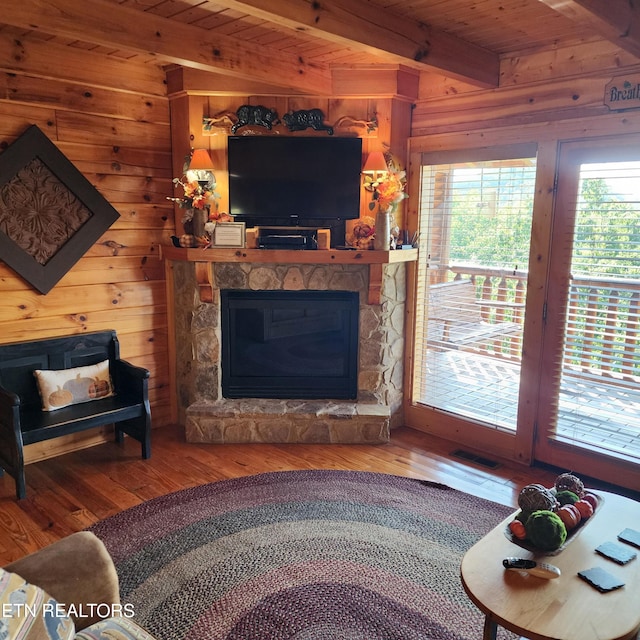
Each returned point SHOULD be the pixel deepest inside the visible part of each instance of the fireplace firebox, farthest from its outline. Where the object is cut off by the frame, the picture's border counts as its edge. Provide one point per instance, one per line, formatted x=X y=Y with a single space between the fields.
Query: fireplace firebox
x=289 y=344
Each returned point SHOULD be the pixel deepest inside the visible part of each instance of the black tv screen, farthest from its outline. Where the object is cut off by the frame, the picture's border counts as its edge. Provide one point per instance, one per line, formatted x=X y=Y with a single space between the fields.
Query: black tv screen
x=291 y=180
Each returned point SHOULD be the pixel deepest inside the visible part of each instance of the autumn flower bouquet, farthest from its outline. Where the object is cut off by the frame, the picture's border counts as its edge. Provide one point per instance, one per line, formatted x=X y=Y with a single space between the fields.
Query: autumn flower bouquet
x=197 y=195
x=388 y=190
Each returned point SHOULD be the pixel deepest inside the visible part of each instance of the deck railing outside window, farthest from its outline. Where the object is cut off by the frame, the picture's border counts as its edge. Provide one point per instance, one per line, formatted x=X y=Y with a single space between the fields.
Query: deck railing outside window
x=603 y=319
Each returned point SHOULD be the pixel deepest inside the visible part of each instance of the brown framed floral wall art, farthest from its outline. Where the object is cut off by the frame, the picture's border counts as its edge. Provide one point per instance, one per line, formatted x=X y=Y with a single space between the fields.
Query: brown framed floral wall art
x=50 y=214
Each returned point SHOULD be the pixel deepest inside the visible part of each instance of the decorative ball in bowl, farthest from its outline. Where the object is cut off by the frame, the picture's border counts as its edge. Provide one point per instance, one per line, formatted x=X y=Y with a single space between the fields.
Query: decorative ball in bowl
x=550 y=518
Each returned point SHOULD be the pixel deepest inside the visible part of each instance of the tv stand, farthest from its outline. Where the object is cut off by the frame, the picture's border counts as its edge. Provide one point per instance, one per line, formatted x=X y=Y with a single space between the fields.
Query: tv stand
x=290 y=238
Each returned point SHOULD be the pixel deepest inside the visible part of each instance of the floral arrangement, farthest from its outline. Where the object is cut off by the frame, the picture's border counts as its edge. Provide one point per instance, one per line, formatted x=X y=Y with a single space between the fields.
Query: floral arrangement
x=388 y=189
x=197 y=194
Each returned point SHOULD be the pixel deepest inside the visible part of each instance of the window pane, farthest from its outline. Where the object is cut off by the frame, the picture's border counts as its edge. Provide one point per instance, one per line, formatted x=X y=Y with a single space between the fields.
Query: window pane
x=476 y=227
x=600 y=391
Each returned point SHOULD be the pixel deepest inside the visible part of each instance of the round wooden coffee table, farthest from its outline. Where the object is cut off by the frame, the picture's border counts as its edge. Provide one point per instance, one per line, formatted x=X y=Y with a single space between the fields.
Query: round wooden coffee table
x=566 y=608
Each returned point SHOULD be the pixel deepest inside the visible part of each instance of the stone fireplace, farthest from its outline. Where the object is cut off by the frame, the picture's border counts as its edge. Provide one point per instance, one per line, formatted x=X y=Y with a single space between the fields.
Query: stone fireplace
x=210 y=417
x=289 y=344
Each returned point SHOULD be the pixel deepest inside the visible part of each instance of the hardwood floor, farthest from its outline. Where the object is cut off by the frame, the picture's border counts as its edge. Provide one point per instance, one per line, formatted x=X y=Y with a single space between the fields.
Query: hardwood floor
x=70 y=492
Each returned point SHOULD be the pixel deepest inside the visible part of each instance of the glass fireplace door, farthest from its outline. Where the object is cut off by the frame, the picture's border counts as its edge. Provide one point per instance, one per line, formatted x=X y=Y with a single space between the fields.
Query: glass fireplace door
x=289 y=344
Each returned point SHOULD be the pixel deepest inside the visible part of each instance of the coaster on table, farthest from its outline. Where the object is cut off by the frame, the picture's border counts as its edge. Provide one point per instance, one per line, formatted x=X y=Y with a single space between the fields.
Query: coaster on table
x=600 y=579
x=631 y=536
x=616 y=552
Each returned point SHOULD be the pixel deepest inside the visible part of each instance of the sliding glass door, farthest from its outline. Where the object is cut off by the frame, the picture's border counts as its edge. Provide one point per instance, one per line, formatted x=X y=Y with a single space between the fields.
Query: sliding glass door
x=590 y=399
x=476 y=217
x=527 y=304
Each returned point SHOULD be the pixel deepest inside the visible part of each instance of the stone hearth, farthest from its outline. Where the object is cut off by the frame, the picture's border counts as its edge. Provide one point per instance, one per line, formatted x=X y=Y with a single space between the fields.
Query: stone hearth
x=208 y=417
x=257 y=420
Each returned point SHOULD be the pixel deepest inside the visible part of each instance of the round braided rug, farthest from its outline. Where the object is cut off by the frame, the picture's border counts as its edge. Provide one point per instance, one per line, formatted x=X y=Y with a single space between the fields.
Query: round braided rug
x=310 y=555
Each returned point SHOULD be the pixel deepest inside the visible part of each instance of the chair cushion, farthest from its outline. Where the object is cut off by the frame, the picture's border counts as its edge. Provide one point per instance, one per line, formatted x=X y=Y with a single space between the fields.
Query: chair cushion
x=60 y=388
x=29 y=613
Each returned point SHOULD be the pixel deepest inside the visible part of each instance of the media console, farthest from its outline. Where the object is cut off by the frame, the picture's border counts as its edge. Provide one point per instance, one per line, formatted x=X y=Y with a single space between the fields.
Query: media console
x=289 y=238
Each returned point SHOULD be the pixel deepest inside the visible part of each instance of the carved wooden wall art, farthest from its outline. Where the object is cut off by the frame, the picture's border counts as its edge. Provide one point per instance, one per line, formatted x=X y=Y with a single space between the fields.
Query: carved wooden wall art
x=220 y=122
x=305 y=119
x=50 y=214
x=255 y=115
x=225 y=122
x=366 y=128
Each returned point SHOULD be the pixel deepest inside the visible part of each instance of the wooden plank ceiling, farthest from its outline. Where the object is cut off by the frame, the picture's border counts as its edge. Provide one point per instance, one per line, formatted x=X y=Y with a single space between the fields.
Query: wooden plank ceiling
x=294 y=44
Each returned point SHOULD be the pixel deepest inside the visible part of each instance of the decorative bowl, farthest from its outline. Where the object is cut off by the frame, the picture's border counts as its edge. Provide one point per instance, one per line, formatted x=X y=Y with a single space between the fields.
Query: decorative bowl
x=571 y=535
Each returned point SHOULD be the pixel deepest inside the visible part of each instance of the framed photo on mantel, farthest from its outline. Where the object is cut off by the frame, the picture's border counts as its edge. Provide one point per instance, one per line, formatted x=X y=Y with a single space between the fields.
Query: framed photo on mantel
x=228 y=235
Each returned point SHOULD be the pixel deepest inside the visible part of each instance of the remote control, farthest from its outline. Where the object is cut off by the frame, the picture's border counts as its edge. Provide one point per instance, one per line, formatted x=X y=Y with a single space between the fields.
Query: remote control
x=539 y=569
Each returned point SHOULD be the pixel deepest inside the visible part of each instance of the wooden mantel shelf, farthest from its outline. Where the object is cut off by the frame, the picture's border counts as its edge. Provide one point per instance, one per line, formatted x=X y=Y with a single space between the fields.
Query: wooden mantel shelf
x=203 y=257
x=283 y=256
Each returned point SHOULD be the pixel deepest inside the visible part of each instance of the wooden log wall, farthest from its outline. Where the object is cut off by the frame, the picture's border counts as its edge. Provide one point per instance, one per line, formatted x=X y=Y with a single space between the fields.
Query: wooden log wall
x=110 y=117
x=535 y=88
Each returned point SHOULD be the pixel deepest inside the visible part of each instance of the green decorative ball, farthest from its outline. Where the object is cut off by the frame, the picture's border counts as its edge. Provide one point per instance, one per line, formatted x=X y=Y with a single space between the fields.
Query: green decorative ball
x=545 y=530
x=566 y=497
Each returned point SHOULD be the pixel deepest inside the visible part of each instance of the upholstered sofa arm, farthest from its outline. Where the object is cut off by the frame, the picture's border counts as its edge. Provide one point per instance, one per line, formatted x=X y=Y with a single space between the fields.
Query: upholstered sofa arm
x=112 y=628
x=76 y=570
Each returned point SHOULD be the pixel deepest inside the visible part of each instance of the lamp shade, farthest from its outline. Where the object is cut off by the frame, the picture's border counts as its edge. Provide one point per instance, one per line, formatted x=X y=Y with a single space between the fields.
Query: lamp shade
x=201 y=161
x=375 y=163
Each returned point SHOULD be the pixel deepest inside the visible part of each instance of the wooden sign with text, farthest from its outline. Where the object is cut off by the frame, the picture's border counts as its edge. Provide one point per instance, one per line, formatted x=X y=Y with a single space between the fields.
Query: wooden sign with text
x=622 y=93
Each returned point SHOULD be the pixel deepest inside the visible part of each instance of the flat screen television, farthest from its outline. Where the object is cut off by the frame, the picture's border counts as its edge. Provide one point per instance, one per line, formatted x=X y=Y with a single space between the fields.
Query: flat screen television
x=294 y=180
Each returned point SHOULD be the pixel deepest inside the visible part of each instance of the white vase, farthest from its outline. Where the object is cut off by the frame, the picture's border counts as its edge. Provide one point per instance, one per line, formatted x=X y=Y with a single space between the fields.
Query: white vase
x=382 y=238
